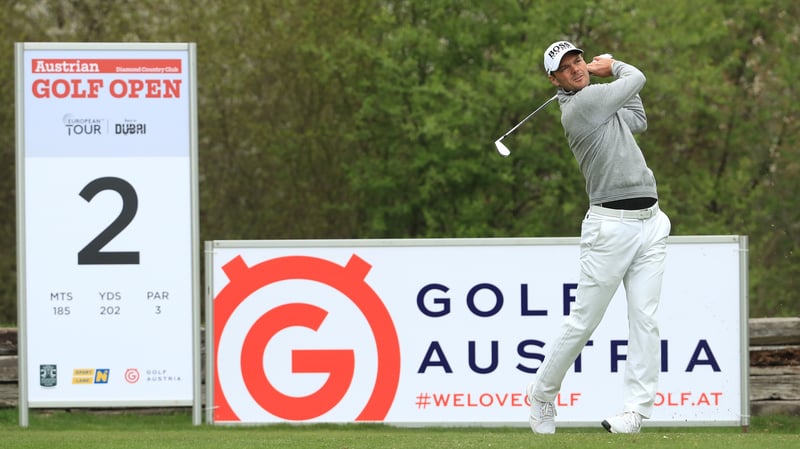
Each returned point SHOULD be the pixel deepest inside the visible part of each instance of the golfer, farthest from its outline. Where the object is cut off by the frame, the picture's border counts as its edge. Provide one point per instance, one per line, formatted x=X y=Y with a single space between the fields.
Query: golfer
x=623 y=235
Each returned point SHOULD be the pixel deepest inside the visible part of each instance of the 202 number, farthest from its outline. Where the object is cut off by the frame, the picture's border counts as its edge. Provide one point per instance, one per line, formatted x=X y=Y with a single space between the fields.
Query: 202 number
x=91 y=254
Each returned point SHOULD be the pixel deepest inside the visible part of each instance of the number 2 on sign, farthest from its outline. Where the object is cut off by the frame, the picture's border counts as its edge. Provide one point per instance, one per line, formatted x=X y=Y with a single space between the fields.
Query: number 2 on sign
x=91 y=254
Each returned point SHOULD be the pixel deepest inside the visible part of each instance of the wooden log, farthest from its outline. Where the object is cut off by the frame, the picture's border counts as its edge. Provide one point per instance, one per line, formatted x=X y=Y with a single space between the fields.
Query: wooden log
x=8 y=369
x=766 y=408
x=9 y=395
x=778 y=383
x=774 y=331
x=8 y=341
x=775 y=356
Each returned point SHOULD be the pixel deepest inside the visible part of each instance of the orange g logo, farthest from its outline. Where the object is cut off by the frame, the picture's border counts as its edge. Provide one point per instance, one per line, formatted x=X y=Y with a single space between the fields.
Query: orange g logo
x=339 y=364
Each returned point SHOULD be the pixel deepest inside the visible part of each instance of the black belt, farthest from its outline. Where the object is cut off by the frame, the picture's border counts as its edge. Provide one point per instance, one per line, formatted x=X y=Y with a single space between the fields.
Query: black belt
x=630 y=203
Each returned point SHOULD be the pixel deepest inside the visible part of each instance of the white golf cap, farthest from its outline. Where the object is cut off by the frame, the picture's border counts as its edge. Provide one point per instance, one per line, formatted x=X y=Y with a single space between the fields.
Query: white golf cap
x=554 y=53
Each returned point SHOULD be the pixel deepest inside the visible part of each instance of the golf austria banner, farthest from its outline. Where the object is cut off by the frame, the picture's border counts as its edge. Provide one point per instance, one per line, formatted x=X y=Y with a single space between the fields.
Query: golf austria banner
x=452 y=331
x=106 y=156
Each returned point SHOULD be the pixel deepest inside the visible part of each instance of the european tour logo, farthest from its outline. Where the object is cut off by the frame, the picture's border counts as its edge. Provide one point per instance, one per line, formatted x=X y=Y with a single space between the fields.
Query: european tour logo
x=339 y=364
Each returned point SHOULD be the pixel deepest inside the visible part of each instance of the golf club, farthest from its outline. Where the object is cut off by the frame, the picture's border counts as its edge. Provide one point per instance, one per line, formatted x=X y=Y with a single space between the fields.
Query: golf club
x=501 y=148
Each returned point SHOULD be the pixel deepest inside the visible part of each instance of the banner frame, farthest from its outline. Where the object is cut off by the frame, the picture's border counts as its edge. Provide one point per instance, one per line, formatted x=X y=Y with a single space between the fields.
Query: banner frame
x=741 y=240
x=19 y=57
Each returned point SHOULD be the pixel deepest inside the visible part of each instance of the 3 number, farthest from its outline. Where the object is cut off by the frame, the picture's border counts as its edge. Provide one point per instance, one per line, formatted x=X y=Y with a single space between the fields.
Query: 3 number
x=91 y=254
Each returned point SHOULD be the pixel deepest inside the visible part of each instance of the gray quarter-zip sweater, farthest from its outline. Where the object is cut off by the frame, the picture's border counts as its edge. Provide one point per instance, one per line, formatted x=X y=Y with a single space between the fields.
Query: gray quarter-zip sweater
x=599 y=122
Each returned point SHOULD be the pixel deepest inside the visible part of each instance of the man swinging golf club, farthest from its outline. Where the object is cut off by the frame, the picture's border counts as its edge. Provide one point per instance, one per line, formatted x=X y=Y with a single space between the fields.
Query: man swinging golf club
x=623 y=235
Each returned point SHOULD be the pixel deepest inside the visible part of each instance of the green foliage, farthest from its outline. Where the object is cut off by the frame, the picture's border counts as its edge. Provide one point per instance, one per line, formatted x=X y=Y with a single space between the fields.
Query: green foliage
x=363 y=119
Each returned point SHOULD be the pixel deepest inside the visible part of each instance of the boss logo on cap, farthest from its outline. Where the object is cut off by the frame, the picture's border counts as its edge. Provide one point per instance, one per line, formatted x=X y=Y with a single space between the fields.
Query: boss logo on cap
x=558 y=48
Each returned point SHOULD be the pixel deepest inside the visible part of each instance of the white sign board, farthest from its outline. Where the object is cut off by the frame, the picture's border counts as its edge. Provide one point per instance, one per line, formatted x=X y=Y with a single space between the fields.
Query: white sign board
x=107 y=220
x=452 y=331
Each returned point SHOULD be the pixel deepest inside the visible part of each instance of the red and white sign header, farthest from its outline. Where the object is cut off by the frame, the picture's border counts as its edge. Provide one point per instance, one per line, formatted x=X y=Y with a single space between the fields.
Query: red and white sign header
x=62 y=65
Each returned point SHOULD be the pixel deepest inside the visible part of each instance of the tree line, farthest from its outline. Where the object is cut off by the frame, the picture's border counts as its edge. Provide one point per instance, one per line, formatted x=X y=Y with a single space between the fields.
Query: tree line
x=376 y=119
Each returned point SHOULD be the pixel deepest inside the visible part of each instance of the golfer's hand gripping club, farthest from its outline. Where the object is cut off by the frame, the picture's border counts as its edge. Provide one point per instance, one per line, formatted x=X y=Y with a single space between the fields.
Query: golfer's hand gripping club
x=600 y=65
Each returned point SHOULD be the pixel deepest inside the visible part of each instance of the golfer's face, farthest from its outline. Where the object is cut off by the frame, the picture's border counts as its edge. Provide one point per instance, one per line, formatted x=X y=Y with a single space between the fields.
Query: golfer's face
x=572 y=74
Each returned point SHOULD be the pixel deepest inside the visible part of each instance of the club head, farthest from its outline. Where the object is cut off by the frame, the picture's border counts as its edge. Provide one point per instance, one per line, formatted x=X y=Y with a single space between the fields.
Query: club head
x=502 y=149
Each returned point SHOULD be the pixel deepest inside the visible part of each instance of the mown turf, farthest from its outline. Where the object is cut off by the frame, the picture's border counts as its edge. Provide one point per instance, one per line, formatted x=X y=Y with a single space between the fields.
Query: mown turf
x=89 y=429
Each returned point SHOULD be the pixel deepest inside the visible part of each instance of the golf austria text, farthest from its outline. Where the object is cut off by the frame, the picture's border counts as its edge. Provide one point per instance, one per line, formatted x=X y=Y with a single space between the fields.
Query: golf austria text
x=452 y=332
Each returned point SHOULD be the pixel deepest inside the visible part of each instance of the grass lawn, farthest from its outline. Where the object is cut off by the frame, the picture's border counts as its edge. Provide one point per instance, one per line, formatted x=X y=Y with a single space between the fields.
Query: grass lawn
x=85 y=429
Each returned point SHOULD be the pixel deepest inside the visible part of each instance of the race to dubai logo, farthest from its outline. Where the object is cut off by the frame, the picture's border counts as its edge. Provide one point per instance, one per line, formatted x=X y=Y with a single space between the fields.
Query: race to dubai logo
x=130 y=127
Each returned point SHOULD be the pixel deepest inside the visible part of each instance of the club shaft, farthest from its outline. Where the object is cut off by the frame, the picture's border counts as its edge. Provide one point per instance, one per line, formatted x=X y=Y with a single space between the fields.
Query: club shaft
x=529 y=116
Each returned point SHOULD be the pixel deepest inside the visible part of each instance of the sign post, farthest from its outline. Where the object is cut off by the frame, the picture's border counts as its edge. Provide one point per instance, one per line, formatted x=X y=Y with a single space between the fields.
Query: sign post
x=107 y=222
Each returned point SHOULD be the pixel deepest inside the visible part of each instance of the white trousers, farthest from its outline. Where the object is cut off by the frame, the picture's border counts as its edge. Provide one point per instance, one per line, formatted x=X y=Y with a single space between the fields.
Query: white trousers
x=616 y=246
